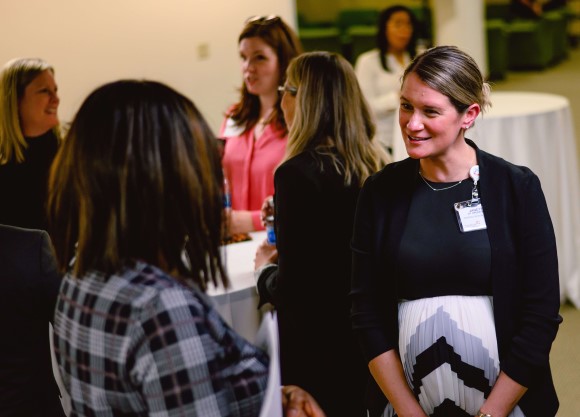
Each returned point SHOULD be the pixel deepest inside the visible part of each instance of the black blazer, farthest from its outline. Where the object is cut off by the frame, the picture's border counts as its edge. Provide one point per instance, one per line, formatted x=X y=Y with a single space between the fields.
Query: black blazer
x=524 y=271
x=314 y=218
x=29 y=287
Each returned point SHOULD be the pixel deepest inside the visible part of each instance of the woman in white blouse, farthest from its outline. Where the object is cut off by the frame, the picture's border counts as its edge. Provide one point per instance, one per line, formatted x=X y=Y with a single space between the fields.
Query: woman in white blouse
x=379 y=70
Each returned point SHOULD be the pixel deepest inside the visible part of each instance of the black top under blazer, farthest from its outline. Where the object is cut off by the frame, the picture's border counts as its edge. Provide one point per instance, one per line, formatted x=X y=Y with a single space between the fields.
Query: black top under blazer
x=24 y=184
x=524 y=271
x=29 y=286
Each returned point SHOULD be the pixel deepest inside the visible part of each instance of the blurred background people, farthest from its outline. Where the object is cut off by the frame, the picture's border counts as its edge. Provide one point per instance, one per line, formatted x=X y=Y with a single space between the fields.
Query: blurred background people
x=525 y=9
x=29 y=285
x=379 y=70
x=29 y=138
x=136 y=199
x=254 y=128
x=306 y=276
x=455 y=294
x=533 y=9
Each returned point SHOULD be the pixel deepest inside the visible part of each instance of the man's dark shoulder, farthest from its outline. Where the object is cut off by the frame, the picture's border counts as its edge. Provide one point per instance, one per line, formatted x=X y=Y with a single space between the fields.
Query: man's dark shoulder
x=13 y=237
x=21 y=251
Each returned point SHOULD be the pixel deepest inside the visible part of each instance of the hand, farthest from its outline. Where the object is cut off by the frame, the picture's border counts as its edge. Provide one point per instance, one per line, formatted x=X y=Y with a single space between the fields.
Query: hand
x=267 y=209
x=265 y=254
x=241 y=222
x=298 y=403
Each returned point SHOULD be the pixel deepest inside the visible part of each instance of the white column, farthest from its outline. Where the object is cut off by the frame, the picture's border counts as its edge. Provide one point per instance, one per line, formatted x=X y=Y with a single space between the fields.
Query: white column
x=461 y=23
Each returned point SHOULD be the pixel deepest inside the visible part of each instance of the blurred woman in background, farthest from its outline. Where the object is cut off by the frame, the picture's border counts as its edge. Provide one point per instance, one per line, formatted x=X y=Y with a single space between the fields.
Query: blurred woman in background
x=379 y=70
x=254 y=129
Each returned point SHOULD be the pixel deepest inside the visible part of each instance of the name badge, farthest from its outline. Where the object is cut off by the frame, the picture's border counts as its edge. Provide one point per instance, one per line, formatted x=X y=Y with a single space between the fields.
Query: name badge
x=470 y=216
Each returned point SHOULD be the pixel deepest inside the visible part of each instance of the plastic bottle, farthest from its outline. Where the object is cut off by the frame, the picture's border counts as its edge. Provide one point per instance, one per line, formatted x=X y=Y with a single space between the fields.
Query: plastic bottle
x=270 y=232
x=227 y=208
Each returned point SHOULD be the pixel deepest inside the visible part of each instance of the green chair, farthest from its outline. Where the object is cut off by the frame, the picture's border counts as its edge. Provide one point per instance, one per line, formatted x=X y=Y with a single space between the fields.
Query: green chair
x=348 y=18
x=320 y=39
x=497 y=48
x=530 y=44
x=557 y=22
x=497 y=11
x=362 y=39
x=356 y=17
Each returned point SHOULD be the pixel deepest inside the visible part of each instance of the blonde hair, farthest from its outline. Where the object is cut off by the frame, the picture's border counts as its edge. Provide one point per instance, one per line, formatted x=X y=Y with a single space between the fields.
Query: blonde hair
x=16 y=75
x=332 y=112
x=453 y=73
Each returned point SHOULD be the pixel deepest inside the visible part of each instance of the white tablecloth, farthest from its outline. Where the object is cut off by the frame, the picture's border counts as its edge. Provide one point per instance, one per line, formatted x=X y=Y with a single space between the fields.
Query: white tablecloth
x=536 y=130
x=267 y=339
x=239 y=304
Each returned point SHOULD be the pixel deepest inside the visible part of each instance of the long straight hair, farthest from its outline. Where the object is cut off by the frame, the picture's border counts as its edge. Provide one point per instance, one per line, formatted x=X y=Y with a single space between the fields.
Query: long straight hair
x=138 y=178
x=331 y=112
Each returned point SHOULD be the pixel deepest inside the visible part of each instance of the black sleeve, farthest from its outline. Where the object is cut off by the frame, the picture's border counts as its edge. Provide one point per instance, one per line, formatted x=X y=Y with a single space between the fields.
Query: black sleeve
x=50 y=279
x=296 y=200
x=267 y=284
x=373 y=307
x=538 y=319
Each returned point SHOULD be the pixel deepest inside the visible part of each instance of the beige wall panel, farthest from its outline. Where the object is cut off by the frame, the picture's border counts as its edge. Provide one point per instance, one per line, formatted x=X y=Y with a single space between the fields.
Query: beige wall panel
x=188 y=44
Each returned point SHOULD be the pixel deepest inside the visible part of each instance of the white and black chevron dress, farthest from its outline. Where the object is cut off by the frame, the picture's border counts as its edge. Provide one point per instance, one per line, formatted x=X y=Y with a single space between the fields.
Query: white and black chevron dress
x=447 y=339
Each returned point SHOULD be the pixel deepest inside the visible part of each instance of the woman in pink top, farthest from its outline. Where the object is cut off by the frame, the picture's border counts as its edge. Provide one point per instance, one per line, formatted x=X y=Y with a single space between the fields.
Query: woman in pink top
x=254 y=128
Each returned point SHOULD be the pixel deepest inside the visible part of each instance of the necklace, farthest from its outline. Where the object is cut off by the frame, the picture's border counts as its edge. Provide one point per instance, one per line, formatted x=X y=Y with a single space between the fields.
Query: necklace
x=438 y=189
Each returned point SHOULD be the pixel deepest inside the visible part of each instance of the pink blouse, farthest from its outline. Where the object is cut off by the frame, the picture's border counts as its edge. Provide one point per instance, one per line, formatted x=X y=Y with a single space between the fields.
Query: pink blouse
x=249 y=166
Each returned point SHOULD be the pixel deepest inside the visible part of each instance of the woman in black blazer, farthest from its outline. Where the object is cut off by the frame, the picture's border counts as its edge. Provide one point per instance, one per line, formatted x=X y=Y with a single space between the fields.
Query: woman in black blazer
x=455 y=293
x=29 y=286
x=330 y=152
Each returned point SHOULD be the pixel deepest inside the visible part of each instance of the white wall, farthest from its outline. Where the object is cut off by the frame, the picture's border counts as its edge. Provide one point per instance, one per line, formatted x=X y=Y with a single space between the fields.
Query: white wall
x=461 y=23
x=93 y=42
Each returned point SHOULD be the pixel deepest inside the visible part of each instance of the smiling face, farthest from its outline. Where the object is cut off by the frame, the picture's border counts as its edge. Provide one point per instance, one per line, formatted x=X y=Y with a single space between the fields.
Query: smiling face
x=260 y=66
x=37 y=108
x=431 y=126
